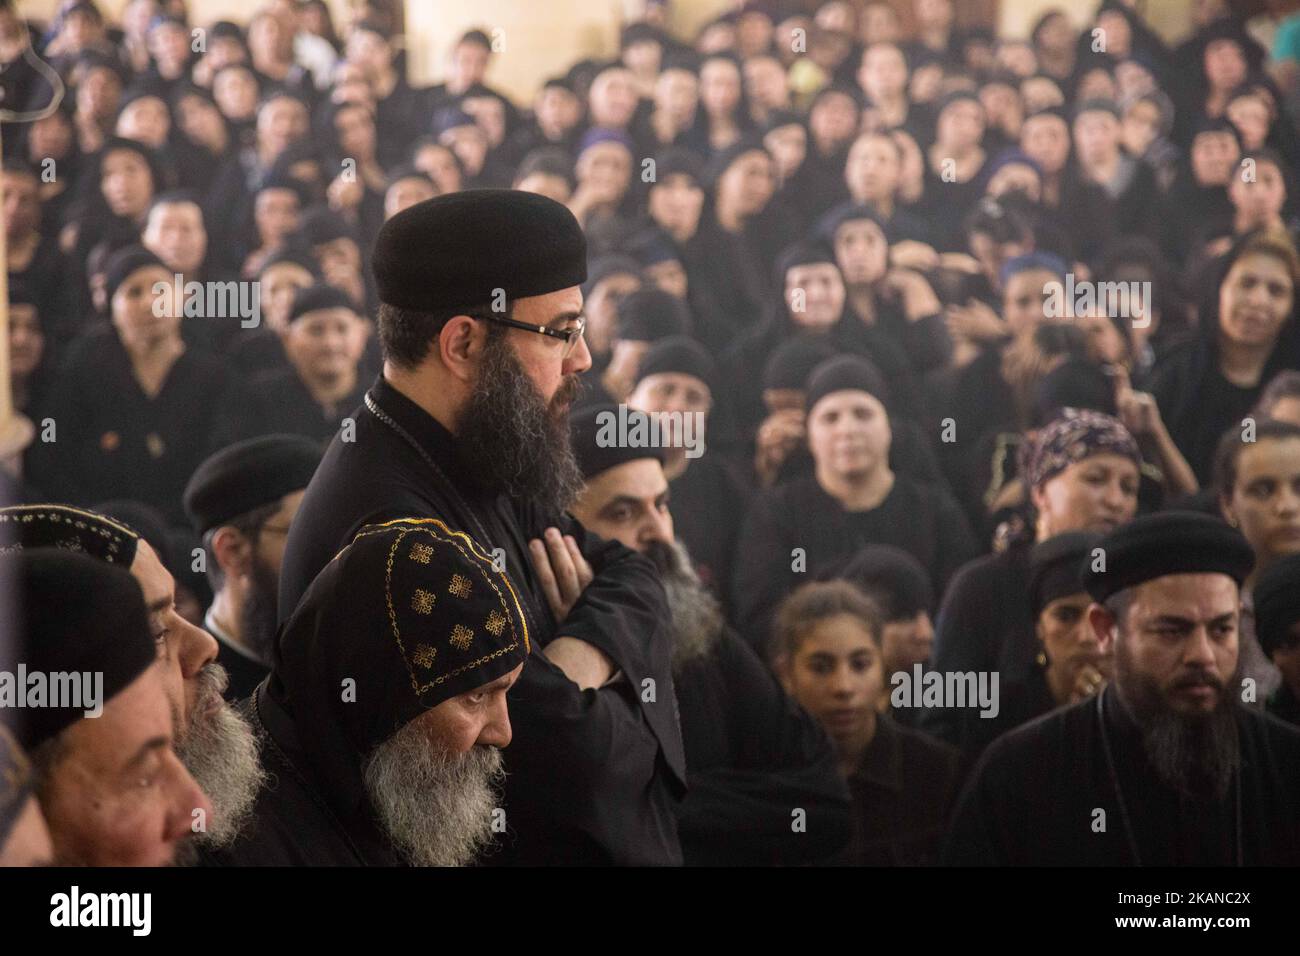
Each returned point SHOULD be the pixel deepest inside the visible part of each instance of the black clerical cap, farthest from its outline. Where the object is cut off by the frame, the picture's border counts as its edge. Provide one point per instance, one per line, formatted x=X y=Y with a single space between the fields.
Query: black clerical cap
x=793 y=361
x=77 y=616
x=123 y=263
x=314 y=298
x=69 y=528
x=648 y=315
x=1277 y=602
x=456 y=251
x=600 y=434
x=680 y=354
x=15 y=783
x=845 y=373
x=1168 y=542
x=247 y=475
x=1056 y=567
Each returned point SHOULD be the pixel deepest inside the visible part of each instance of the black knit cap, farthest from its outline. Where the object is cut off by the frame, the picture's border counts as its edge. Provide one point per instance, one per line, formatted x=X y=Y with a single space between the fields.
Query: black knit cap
x=648 y=315
x=456 y=251
x=680 y=354
x=69 y=528
x=247 y=475
x=1056 y=567
x=594 y=429
x=843 y=373
x=678 y=161
x=77 y=615
x=314 y=298
x=893 y=578
x=805 y=253
x=1168 y=542
x=123 y=263
x=1277 y=602
x=793 y=361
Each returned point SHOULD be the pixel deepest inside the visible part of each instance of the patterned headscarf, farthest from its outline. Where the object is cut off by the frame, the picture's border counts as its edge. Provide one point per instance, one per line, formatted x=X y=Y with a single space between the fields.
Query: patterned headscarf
x=1075 y=435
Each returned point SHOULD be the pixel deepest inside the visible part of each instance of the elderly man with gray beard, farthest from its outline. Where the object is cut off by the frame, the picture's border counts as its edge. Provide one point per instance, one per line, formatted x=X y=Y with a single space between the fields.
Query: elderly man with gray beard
x=763 y=787
x=1164 y=767
x=213 y=740
x=385 y=712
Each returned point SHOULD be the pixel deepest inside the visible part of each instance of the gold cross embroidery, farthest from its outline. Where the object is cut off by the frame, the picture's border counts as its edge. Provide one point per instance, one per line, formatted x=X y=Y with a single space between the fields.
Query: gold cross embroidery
x=461 y=637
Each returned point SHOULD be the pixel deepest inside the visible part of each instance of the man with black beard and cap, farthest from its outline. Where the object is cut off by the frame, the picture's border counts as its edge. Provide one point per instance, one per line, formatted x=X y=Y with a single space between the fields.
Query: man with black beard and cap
x=753 y=756
x=1164 y=767
x=385 y=712
x=481 y=325
x=241 y=502
x=213 y=741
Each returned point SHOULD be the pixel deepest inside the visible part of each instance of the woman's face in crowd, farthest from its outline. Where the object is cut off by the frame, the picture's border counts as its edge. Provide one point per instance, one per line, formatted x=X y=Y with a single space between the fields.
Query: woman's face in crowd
x=1141 y=126
x=608 y=165
x=789 y=147
x=837 y=674
x=1068 y=640
x=175 y=234
x=355 y=129
x=1098 y=493
x=676 y=93
x=1039 y=93
x=1225 y=64
x=1096 y=84
x=748 y=184
x=720 y=88
x=884 y=72
x=407 y=192
x=906 y=642
x=50 y=138
x=1262 y=198
x=134 y=310
x=1133 y=79
x=960 y=126
x=22 y=203
x=1255 y=300
x=235 y=91
x=1046 y=140
x=1264 y=501
x=170 y=45
x=675 y=204
x=1214 y=158
x=127 y=183
x=557 y=109
x=849 y=434
x=1096 y=133
x=1017 y=58
x=280 y=283
x=275 y=213
x=145 y=120
x=1252 y=117
x=99 y=92
x=861 y=252
x=490 y=115
x=668 y=392
x=1023 y=300
x=470 y=145
x=438 y=163
x=321 y=345
x=873 y=169
x=613 y=99
x=765 y=82
x=202 y=123
x=26 y=340
x=1118 y=33
x=814 y=295
x=833 y=120
x=281 y=123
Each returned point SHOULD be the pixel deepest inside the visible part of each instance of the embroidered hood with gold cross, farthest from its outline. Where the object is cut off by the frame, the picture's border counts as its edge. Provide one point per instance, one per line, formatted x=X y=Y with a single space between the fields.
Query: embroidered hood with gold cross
x=408 y=615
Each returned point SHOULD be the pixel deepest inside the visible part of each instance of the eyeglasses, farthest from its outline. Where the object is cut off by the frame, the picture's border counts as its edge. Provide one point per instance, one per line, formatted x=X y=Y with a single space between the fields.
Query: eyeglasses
x=570 y=337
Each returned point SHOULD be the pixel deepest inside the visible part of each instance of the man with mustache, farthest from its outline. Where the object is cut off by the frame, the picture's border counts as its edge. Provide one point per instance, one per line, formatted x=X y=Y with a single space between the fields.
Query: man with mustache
x=1164 y=767
x=481 y=326
x=385 y=712
x=213 y=741
x=753 y=757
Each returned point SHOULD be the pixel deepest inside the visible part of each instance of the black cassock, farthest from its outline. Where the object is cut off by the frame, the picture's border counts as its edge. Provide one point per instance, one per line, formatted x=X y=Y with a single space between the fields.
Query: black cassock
x=1038 y=795
x=594 y=776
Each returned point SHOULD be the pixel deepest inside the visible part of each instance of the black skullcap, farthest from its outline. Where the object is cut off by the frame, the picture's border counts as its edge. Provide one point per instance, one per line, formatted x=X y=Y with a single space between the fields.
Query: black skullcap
x=247 y=475
x=829 y=223
x=73 y=529
x=893 y=578
x=678 y=161
x=648 y=315
x=1277 y=602
x=652 y=247
x=1168 y=542
x=225 y=29
x=602 y=267
x=15 y=783
x=77 y=615
x=318 y=296
x=842 y=373
x=594 y=431
x=1056 y=567
x=320 y=224
x=793 y=361
x=456 y=251
x=680 y=354
x=123 y=263
x=804 y=253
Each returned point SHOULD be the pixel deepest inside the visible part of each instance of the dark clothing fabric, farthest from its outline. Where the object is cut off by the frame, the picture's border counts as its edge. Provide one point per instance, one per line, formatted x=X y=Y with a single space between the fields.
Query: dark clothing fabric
x=921 y=519
x=708 y=502
x=753 y=757
x=903 y=790
x=279 y=403
x=1035 y=796
x=245 y=673
x=593 y=776
x=1284 y=705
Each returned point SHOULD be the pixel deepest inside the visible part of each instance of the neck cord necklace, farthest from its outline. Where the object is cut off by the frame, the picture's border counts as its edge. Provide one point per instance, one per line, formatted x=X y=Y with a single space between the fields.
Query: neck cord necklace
x=1129 y=834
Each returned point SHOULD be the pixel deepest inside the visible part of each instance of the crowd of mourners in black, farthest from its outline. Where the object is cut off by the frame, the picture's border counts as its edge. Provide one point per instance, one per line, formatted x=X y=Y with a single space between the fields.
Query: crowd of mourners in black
x=950 y=313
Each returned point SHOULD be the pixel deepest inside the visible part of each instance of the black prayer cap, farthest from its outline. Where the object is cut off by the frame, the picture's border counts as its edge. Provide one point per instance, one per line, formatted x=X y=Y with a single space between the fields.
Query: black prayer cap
x=247 y=475
x=77 y=615
x=1056 y=567
x=594 y=432
x=15 y=783
x=845 y=372
x=648 y=315
x=319 y=296
x=123 y=263
x=678 y=353
x=1277 y=602
x=455 y=251
x=793 y=361
x=69 y=528
x=1168 y=542
x=892 y=577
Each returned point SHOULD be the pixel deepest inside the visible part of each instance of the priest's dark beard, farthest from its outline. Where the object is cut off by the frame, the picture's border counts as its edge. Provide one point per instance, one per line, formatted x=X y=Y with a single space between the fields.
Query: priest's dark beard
x=436 y=807
x=696 y=615
x=511 y=441
x=220 y=750
x=257 y=620
x=1196 y=754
